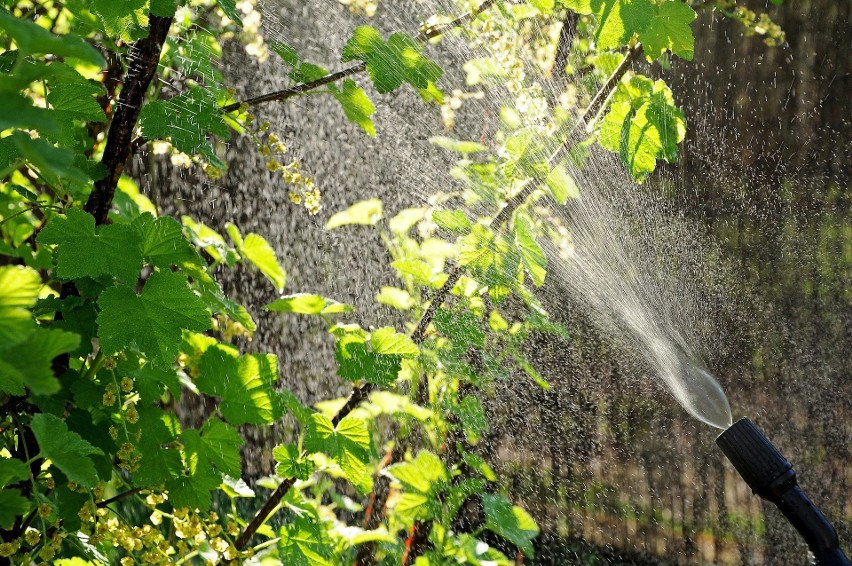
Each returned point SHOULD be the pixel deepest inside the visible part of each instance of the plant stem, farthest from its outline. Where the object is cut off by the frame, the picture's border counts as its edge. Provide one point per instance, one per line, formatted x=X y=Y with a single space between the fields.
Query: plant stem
x=119 y=497
x=263 y=513
x=143 y=58
x=435 y=31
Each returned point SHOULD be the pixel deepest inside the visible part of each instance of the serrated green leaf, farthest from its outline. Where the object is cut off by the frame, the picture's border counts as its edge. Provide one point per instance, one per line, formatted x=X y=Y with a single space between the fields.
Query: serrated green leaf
x=532 y=255
x=65 y=449
x=19 y=111
x=153 y=321
x=12 y=505
x=366 y=212
x=477 y=250
x=32 y=39
x=19 y=289
x=670 y=30
x=164 y=8
x=306 y=303
x=418 y=269
x=348 y=445
x=81 y=252
x=510 y=522
x=356 y=363
x=244 y=383
x=643 y=125
x=213 y=296
x=303 y=542
x=12 y=471
x=215 y=446
x=193 y=491
x=356 y=105
x=162 y=242
x=472 y=417
x=290 y=462
x=77 y=99
x=455 y=221
x=257 y=250
x=56 y=164
x=461 y=327
x=422 y=480
x=28 y=363
x=387 y=341
x=123 y=19
x=161 y=461
x=393 y=62
x=619 y=20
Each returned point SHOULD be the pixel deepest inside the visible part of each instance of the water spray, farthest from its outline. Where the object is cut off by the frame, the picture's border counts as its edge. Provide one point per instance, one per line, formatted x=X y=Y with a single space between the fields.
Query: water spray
x=771 y=476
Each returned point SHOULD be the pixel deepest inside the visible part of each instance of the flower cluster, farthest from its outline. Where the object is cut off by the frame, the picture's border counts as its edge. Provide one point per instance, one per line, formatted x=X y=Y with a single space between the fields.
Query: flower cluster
x=303 y=189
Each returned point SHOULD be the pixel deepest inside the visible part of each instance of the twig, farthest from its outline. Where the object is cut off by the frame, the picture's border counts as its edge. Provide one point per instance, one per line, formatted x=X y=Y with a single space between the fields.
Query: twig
x=280 y=95
x=263 y=513
x=119 y=497
x=441 y=29
x=143 y=59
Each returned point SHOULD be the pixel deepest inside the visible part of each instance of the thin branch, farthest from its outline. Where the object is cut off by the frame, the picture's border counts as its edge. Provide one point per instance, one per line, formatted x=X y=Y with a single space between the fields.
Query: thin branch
x=119 y=497
x=281 y=95
x=264 y=512
x=441 y=29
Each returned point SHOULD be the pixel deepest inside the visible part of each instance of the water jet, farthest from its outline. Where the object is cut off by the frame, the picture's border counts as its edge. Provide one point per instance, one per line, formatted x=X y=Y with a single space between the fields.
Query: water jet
x=772 y=477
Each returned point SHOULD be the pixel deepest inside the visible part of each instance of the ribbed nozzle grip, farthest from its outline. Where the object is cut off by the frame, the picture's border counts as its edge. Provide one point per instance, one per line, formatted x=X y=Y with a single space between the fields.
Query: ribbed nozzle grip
x=755 y=458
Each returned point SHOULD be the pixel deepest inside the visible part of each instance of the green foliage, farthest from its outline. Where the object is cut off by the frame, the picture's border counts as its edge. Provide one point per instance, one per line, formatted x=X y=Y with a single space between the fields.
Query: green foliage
x=106 y=327
x=643 y=125
x=393 y=62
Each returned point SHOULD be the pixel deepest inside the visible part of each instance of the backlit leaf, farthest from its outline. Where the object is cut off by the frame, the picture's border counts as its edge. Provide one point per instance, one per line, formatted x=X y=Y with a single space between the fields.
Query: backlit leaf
x=65 y=449
x=366 y=212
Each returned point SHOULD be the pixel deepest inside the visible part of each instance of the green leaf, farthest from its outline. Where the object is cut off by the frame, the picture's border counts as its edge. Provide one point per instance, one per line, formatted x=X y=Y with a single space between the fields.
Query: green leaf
x=55 y=164
x=12 y=471
x=19 y=289
x=619 y=20
x=230 y=9
x=290 y=462
x=532 y=255
x=461 y=327
x=28 y=363
x=217 y=446
x=397 y=298
x=419 y=270
x=160 y=461
x=643 y=125
x=348 y=445
x=477 y=250
x=258 y=251
x=236 y=487
x=366 y=212
x=245 y=384
x=78 y=100
x=164 y=8
x=123 y=19
x=670 y=30
x=305 y=303
x=472 y=416
x=455 y=221
x=422 y=480
x=356 y=105
x=458 y=146
x=393 y=62
x=12 y=505
x=19 y=112
x=65 y=449
x=162 y=241
x=387 y=341
x=561 y=184
x=81 y=252
x=302 y=541
x=153 y=321
x=510 y=522
x=356 y=362
x=33 y=39
x=213 y=296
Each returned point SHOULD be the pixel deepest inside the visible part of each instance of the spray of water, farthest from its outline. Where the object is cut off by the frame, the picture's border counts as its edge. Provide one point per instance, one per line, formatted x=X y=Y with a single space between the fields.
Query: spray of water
x=605 y=271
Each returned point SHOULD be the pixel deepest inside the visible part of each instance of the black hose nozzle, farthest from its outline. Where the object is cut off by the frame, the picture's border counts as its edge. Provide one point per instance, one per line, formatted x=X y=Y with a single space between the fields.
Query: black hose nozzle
x=772 y=477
